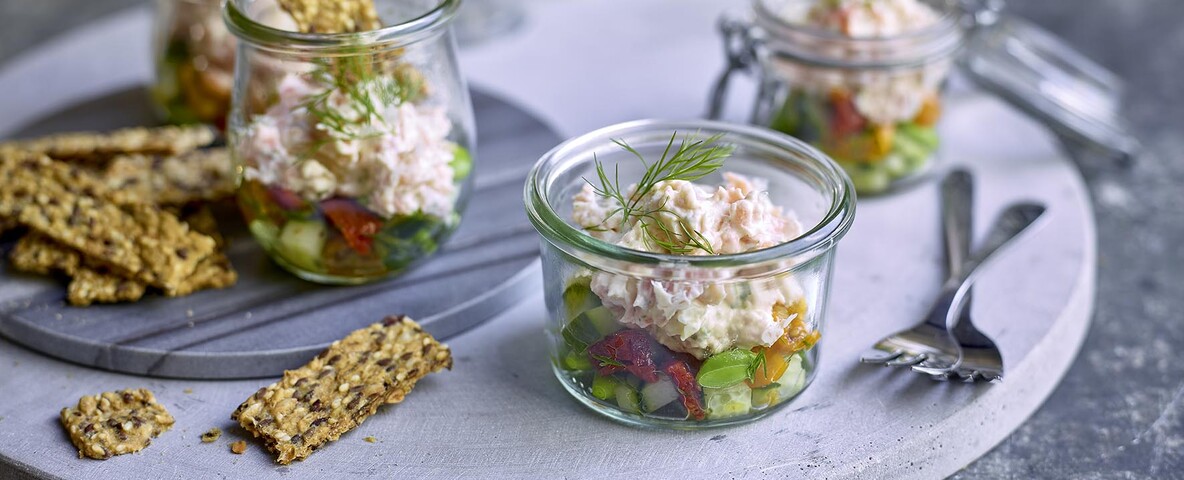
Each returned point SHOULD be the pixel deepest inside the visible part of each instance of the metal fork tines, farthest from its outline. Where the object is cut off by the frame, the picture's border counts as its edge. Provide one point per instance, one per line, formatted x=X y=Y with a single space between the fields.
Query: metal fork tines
x=930 y=347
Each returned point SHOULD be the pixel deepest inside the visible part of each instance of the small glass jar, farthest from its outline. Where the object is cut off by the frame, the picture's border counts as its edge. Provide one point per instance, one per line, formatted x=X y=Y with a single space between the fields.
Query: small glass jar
x=194 y=56
x=353 y=149
x=863 y=80
x=871 y=102
x=673 y=364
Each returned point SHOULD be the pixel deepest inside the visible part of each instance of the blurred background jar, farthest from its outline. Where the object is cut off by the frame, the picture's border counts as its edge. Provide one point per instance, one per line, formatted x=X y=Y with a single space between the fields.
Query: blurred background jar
x=860 y=80
x=863 y=80
x=353 y=149
x=194 y=60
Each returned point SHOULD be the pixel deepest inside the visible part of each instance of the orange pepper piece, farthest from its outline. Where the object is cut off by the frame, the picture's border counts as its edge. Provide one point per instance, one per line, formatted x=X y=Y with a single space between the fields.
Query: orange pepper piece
x=930 y=111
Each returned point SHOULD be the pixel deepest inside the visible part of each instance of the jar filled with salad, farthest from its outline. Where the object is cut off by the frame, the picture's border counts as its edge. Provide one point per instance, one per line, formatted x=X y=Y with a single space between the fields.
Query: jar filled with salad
x=352 y=130
x=687 y=267
x=194 y=62
x=860 y=79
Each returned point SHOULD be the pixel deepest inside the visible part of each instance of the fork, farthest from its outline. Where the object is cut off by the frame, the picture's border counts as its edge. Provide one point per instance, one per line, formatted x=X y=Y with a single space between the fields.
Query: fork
x=931 y=341
x=981 y=359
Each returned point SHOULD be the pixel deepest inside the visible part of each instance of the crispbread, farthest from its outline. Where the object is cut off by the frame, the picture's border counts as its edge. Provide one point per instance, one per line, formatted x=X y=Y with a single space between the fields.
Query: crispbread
x=170 y=140
x=99 y=285
x=341 y=387
x=147 y=244
x=332 y=16
x=115 y=423
x=197 y=176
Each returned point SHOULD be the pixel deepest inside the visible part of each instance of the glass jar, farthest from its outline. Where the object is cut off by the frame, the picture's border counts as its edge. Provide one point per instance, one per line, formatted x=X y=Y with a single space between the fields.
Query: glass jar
x=863 y=80
x=870 y=101
x=194 y=55
x=353 y=149
x=726 y=338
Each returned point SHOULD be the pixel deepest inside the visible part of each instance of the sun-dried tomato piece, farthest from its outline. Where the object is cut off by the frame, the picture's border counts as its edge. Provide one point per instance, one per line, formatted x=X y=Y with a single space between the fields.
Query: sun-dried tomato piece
x=683 y=375
x=630 y=350
x=355 y=223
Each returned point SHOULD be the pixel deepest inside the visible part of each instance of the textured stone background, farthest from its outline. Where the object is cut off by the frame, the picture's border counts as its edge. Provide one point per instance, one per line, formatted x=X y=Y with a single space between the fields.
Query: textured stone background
x=1120 y=411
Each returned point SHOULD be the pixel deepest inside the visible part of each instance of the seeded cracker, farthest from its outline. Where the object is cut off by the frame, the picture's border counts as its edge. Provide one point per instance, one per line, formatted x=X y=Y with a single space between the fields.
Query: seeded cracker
x=170 y=140
x=341 y=387
x=147 y=244
x=115 y=423
x=198 y=176
x=99 y=285
x=332 y=16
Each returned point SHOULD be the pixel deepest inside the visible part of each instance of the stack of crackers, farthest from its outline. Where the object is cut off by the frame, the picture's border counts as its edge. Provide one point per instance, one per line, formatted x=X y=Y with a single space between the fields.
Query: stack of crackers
x=120 y=212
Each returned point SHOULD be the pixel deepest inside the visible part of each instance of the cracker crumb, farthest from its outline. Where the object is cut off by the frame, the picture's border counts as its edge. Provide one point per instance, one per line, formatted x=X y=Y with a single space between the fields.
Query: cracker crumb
x=238 y=447
x=188 y=390
x=371 y=440
x=211 y=435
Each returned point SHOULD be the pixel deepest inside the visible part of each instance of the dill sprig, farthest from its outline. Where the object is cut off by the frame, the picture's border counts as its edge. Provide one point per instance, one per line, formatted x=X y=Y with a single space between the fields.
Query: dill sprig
x=368 y=86
x=693 y=159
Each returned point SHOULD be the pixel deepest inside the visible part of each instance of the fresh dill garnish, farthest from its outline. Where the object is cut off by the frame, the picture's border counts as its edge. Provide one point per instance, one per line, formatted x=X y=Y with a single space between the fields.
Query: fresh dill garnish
x=608 y=361
x=368 y=85
x=693 y=159
x=757 y=364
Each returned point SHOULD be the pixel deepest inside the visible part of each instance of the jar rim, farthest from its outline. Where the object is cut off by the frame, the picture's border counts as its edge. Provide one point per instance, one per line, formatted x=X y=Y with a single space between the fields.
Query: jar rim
x=913 y=47
x=817 y=239
x=395 y=35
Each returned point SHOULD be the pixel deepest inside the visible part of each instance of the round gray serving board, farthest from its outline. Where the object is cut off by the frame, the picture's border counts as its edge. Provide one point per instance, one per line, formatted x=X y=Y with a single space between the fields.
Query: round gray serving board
x=501 y=414
x=271 y=321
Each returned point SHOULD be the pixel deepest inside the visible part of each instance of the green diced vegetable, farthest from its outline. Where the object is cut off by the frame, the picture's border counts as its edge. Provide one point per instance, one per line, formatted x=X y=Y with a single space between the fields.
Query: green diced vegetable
x=766 y=397
x=588 y=327
x=627 y=399
x=895 y=165
x=923 y=136
x=300 y=243
x=604 y=387
x=576 y=361
x=265 y=232
x=728 y=401
x=726 y=368
x=578 y=297
x=658 y=394
x=869 y=179
x=794 y=379
x=462 y=163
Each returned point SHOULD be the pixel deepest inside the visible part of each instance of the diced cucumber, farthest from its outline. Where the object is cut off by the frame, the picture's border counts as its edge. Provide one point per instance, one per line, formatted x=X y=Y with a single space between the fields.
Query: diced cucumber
x=895 y=165
x=576 y=361
x=658 y=394
x=869 y=180
x=264 y=232
x=578 y=298
x=602 y=320
x=589 y=327
x=728 y=401
x=924 y=136
x=462 y=163
x=726 y=368
x=766 y=396
x=627 y=399
x=604 y=387
x=300 y=243
x=794 y=379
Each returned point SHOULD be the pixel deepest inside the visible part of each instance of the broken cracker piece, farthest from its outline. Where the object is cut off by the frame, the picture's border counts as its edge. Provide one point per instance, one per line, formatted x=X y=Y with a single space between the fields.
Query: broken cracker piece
x=211 y=435
x=198 y=176
x=115 y=423
x=332 y=16
x=99 y=285
x=345 y=384
x=239 y=447
x=92 y=146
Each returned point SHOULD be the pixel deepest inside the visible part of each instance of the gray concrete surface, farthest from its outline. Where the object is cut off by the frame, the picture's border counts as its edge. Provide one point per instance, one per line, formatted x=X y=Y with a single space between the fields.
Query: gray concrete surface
x=1120 y=411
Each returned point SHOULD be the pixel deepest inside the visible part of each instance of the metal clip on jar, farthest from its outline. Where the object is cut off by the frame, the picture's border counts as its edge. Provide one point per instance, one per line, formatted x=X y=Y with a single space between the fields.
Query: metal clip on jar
x=737 y=338
x=873 y=102
x=353 y=149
